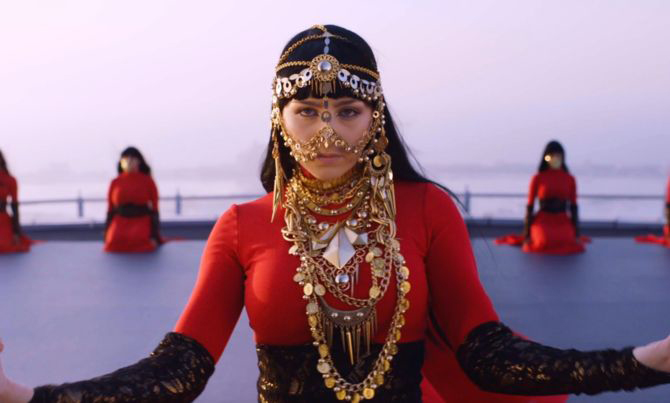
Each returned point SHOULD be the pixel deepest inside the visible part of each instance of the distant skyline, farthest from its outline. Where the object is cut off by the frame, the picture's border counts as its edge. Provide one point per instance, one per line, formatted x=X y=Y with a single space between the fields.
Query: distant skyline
x=481 y=83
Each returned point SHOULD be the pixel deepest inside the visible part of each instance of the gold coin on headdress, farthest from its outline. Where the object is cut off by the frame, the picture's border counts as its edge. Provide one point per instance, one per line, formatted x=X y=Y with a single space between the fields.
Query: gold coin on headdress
x=298 y=277
x=379 y=379
x=404 y=305
x=369 y=257
x=312 y=320
x=320 y=290
x=387 y=365
x=341 y=394
x=356 y=398
x=401 y=320
x=374 y=291
x=330 y=382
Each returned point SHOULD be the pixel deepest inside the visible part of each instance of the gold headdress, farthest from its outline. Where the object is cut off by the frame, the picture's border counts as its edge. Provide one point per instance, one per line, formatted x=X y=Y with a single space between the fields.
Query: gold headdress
x=331 y=253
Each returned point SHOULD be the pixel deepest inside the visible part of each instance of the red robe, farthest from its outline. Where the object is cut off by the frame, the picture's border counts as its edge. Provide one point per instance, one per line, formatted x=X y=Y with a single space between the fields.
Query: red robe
x=665 y=238
x=553 y=232
x=131 y=234
x=246 y=264
x=8 y=195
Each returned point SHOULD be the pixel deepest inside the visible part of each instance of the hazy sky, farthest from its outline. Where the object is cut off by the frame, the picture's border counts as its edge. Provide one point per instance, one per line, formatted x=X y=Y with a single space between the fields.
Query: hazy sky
x=468 y=81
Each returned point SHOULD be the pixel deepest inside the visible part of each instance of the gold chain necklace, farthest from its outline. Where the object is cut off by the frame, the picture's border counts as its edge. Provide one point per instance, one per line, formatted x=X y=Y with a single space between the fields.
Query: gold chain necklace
x=321 y=266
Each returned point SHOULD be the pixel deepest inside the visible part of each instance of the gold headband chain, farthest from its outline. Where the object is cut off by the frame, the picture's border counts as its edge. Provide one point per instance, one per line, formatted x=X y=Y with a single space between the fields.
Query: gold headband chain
x=323 y=72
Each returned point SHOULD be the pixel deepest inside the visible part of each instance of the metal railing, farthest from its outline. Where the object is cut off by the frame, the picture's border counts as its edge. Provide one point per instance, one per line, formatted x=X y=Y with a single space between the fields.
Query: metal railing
x=466 y=198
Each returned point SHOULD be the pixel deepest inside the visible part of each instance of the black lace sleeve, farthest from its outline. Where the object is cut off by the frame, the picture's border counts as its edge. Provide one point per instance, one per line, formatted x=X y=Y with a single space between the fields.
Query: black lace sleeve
x=176 y=371
x=16 y=227
x=574 y=216
x=498 y=361
x=528 y=220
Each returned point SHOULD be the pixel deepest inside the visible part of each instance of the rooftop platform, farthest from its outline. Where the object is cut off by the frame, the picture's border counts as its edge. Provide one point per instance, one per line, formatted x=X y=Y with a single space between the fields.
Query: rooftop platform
x=70 y=311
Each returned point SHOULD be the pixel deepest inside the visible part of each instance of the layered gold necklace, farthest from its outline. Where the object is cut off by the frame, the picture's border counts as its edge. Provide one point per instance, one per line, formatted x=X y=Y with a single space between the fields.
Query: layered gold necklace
x=332 y=258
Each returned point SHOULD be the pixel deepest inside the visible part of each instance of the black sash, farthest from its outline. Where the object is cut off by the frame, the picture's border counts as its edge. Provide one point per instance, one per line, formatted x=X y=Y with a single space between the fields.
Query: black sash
x=554 y=205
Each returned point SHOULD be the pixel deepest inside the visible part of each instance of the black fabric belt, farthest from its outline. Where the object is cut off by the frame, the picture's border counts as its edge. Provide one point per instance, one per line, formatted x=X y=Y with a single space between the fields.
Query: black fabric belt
x=289 y=374
x=132 y=210
x=554 y=205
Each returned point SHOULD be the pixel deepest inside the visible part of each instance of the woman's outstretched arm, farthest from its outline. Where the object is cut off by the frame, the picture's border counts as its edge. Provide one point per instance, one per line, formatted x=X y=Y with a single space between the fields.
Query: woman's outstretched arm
x=490 y=354
x=178 y=369
x=498 y=361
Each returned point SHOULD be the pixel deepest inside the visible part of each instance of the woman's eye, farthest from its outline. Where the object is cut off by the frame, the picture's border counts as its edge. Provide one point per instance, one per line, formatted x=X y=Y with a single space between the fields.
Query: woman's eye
x=349 y=113
x=307 y=112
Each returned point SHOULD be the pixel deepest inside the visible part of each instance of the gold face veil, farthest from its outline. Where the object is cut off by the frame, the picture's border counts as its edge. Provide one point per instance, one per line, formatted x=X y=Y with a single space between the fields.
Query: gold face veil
x=333 y=255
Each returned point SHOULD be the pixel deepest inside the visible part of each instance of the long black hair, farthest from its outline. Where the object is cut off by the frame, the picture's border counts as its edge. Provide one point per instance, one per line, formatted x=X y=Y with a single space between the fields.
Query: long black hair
x=356 y=51
x=3 y=164
x=553 y=147
x=134 y=152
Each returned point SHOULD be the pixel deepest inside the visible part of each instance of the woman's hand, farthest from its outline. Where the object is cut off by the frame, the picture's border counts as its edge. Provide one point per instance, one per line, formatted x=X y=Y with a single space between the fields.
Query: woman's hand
x=655 y=355
x=11 y=392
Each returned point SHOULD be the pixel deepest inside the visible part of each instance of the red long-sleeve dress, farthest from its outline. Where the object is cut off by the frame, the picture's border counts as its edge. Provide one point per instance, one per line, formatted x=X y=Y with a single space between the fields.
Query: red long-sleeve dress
x=246 y=264
x=131 y=232
x=666 y=227
x=553 y=232
x=665 y=238
x=9 y=194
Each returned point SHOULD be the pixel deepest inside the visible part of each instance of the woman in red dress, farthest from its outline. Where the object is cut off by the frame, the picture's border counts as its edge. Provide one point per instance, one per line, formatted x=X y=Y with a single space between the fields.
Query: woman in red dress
x=353 y=276
x=665 y=238
x=552 y=230
x=12 y=238
x=132 y=214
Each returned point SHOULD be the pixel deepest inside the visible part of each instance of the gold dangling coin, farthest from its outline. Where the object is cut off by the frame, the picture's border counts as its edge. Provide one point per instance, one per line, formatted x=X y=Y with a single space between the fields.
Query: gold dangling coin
x=404 y=305
x=405 y=287
x=323 y=350
x=378 y=161
x=312 y=320
x=308 y=289
x=356 y=398
x=393 y=349
x=374 y=291
x=330 y=382
x=379 y=379
x=404 y=272
x=320 y=290
x=368 y=393
x=369 y=257
x=341 y=394
x=323 y=367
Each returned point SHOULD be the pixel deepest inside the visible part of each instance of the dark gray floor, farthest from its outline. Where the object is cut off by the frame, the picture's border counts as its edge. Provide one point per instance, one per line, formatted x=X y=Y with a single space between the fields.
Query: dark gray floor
x=69 y=311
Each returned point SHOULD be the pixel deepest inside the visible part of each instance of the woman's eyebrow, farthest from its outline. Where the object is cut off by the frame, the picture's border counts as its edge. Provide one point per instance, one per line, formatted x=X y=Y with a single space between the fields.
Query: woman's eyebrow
x=310 y=103
x=344 y=102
